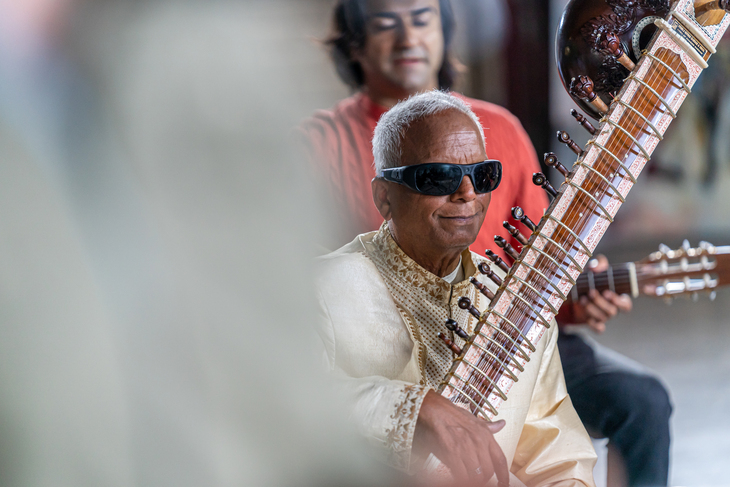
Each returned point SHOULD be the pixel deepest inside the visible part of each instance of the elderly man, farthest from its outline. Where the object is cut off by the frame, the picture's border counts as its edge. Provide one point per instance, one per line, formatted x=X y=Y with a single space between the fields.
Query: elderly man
x=386 y=295
x=387 y=50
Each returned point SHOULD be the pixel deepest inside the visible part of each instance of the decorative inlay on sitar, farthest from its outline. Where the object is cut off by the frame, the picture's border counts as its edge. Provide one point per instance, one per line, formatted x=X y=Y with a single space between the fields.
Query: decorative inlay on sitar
x=559 y=246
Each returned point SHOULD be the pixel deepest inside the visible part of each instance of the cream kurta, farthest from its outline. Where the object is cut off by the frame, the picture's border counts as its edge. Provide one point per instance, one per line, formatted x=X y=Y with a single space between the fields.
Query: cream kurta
x=381 y=316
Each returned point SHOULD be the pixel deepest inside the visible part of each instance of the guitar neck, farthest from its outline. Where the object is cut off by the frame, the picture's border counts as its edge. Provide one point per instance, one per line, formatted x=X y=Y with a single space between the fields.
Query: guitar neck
x=621 y=279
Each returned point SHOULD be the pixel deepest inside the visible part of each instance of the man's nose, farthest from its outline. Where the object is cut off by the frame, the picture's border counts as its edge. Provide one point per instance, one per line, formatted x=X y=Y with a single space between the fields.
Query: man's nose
x=466 y=190
x=407 y=35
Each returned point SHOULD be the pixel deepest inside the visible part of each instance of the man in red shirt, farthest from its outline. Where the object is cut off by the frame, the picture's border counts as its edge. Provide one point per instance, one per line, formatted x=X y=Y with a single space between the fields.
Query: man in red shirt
x=405 y=55
x=388 y=50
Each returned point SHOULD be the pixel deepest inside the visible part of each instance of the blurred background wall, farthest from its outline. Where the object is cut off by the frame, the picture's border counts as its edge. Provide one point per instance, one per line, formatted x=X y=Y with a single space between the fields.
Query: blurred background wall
x=156 y=236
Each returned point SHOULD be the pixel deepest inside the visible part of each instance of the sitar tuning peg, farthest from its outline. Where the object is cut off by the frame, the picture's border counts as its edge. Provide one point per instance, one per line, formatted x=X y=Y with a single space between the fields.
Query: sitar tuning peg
x=551 y=160
x=519 y=215
x=484 y=269
x=583 y=121
x=465 y=303
x=497 y=259
x=482 y=288
x=582 y=87
x=453 y=346
x=612 y=44
x=502 y=243
x=539 y=179
x=564 y=137
x=515 y=233
x=454 y=326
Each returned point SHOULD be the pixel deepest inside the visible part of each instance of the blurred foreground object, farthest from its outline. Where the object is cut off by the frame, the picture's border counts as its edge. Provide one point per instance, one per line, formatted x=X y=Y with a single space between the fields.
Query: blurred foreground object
x=148 y=338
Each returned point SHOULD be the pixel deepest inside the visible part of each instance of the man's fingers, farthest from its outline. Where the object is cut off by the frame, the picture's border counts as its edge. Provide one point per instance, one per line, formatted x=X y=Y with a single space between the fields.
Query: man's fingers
x=501 y=469
x=496 y=426
x=607 y=308
x=598 y=264
x=597 y=326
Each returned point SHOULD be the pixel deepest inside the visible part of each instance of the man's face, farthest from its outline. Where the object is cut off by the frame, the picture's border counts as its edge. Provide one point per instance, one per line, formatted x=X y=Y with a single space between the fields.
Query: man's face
x=404 y=47
x=439 y=224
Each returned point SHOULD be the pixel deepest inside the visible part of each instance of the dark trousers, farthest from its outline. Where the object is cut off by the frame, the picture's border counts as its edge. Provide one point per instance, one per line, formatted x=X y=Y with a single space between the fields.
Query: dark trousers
x=617 y=399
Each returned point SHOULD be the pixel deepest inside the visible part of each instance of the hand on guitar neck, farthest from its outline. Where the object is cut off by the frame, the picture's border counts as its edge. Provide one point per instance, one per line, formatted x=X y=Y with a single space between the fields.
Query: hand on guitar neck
x=595 y=308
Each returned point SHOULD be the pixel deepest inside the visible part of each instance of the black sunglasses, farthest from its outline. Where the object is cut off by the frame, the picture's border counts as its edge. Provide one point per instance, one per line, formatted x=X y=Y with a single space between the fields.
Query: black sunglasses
x=442 y=179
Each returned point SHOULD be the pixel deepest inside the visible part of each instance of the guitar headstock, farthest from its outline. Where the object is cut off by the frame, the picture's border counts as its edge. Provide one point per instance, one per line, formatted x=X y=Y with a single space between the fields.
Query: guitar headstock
x=686 y=270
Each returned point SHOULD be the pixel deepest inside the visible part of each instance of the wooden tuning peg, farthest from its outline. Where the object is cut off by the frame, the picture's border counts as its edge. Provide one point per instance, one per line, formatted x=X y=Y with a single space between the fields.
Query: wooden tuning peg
x=565 y=139
x=502 y=243
x=484 y=269
x=612 y=44
x=454 y=326
x=551 y=160
x=465 y=303
x=582 y=87
x=519 y=214
x=497 y=260
x=539 y=179
x=583 y=121
x=453 y=346
x=515 y=233
x=482 y=288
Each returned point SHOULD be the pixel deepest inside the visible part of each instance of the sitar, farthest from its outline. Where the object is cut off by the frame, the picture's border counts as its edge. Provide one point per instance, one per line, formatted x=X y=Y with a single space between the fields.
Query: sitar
x=630 y=64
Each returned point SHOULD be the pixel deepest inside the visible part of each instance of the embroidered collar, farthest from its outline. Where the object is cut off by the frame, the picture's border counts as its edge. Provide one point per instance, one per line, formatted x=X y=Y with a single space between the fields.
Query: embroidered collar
x=403 y=267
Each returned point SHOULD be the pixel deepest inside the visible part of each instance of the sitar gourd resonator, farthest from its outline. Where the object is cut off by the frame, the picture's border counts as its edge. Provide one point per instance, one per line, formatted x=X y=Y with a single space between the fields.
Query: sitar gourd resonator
x=629 y=64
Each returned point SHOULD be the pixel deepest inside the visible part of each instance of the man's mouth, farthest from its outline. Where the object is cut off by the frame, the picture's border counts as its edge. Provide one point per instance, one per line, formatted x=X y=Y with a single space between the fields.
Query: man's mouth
x=408 y=61
x=460 y=218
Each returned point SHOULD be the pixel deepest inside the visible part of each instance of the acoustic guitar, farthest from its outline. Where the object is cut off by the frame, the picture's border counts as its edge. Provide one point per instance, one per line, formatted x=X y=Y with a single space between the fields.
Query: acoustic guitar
x=664 y=274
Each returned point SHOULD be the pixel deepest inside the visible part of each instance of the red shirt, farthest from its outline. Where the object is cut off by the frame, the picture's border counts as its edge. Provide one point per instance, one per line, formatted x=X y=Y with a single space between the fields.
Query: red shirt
x=339 y=142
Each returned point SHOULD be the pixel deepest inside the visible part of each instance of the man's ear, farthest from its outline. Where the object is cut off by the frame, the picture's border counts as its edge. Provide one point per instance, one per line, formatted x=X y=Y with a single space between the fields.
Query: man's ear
x=381 y=197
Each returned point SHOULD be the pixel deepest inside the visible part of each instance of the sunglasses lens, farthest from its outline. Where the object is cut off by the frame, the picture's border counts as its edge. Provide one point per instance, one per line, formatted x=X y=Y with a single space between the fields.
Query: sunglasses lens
x=487 y=176
x=438 y=179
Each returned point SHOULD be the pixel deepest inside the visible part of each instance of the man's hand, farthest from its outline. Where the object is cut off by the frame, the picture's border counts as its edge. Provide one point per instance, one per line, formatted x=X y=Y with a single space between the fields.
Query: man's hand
x=597 y=308
x=463 y=442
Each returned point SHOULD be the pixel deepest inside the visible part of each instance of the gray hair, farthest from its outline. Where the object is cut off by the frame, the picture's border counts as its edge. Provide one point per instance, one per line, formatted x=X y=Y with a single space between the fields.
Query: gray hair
x=392 y=126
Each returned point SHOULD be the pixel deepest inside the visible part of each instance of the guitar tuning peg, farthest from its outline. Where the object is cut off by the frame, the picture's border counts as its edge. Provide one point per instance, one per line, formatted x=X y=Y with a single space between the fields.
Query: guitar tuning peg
x=519 y=215
x=484 y=269
x=664 y=249
x=497 y=259
x=695 y=297
x=551 y=160
x=668 y=300
x=713 y=295
x=612 y=44
x=583 y=121
x=685 y=245
x=539 y=179
x=707 y=247
x=453 y=346
x=502 y=243
x=482 y=288
x=454 y=326
x=465 y=303
x=564 y=137
x=515 y=233
x=582 y=87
